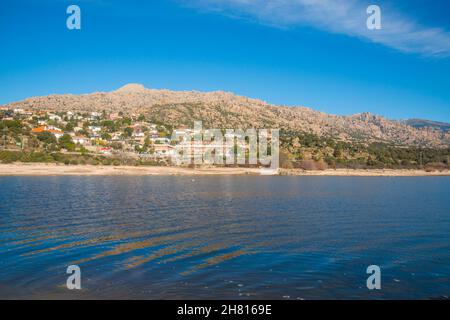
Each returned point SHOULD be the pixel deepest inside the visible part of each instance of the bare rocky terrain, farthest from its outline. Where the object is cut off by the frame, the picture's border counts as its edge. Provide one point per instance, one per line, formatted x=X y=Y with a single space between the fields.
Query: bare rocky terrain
x=226 y=110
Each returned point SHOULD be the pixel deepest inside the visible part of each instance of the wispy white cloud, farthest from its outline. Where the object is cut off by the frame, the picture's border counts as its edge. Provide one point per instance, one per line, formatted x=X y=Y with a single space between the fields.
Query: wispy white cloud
x=339 y=16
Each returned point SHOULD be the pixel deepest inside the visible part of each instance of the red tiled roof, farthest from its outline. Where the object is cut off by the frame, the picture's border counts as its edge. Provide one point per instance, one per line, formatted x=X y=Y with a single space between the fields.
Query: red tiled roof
x=44 y=129
x=39 y=129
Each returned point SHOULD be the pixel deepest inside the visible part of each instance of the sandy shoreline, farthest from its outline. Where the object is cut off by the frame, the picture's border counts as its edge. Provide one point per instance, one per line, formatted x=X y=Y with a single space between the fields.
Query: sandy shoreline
x=42 y=169
x=367 y=173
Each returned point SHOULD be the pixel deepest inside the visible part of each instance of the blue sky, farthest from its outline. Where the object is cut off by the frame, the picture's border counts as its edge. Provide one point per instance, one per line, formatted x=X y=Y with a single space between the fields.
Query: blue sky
x=315 y=53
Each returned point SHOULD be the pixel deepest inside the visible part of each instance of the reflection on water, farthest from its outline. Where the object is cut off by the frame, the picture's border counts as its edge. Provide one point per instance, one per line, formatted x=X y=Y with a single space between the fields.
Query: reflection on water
x=224 y=237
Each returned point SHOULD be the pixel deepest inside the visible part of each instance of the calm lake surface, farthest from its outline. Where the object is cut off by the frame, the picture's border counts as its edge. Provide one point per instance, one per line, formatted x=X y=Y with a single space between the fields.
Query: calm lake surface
x=225 y=237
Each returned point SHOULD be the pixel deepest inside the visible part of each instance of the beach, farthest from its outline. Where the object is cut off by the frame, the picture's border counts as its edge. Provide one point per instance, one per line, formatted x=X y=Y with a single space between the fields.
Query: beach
x=365 y=172
x=44 y=169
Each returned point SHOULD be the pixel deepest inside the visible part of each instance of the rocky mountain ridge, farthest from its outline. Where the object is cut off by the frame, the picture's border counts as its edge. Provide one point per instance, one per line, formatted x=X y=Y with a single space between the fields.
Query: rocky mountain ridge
x=220 y=109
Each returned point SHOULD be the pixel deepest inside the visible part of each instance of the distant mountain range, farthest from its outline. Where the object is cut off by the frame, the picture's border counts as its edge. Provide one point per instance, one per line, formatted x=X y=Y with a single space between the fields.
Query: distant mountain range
x=420 y=123
x=220 y=109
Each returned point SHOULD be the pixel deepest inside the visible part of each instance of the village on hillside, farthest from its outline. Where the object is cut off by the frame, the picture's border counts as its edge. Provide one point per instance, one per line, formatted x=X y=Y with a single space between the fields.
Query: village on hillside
x=93 y=132
x=115 y=137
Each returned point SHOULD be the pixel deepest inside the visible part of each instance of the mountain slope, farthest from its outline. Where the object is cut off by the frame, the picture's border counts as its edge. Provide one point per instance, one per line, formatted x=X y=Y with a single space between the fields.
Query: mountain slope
x=225 y=110
x=421 y=123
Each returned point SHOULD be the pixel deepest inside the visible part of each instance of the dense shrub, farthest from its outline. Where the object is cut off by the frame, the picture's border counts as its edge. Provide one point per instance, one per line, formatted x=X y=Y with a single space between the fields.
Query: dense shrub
x=9 y=156
x=116 y=163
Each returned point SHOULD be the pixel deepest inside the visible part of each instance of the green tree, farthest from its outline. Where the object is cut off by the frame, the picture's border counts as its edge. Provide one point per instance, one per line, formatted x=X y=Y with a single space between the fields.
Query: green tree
x=66 y=142
x=337 y=152
x=128 y=132
x=46 y=137
x=69 y=126
x=106 y=136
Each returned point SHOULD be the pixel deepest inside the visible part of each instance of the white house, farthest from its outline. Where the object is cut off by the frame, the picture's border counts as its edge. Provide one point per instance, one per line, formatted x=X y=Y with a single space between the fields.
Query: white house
x=80 y=140
x=161 y=140
x=138 y=134
x=164 y=149
x=95 y=129
x=54 y=117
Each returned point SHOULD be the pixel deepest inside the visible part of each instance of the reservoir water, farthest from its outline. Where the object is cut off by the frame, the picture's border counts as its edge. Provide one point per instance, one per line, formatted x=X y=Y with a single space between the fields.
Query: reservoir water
x=225 y=237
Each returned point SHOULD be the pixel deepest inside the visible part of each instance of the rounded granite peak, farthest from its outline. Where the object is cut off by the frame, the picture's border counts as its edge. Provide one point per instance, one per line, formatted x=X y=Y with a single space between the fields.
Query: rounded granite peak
x=132 y=87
